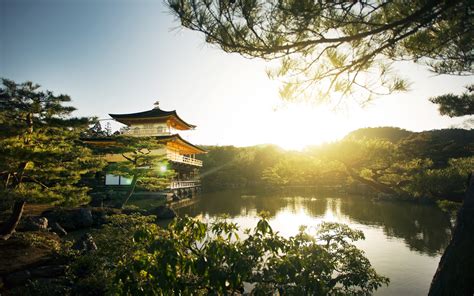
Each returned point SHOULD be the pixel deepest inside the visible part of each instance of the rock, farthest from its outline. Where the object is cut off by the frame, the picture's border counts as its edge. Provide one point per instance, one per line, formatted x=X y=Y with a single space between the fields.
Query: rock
x=84 y=218
x=48 y=271
x=70 y=219
x=163 y=212
x=85 y=243
x=34 y=223
x=17 y=278
x=99 y=215
x=58 y=229
x=78 y=218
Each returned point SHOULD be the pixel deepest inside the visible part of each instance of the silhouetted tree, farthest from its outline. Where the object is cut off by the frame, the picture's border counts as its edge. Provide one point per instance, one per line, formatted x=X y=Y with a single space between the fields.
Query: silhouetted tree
x=455 y=273
x=341 y=47
x=456 y=105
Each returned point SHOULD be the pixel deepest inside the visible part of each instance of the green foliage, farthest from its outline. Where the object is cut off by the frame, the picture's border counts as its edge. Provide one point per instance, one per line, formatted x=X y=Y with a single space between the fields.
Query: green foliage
x=438 y=145
x=93 y=273
x=38 y=240
x=333 y=49
x=41 y=157
x=447 y=183
x=189 y=257
x=194 y=258
x=142 y=161
x=228 y=166
x=370 y=161
x=388 y=160
x=96 y=130
x=264 y=166
x=451 y=209
x=298 y=169
x=456 y=105
x=430 y=164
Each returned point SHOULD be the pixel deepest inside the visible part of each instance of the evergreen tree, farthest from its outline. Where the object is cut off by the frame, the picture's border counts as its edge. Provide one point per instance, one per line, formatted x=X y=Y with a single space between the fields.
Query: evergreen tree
x=41 y=156
x=142 y=159
x=329 y=49
x=96 y=130
x=456 y=105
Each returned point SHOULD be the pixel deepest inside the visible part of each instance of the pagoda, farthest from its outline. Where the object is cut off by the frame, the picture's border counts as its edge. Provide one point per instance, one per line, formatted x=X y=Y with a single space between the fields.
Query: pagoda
x=181 y=154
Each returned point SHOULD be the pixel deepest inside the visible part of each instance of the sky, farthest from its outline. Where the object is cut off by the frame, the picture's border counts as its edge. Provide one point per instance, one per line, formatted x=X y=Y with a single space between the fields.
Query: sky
x=120 y=56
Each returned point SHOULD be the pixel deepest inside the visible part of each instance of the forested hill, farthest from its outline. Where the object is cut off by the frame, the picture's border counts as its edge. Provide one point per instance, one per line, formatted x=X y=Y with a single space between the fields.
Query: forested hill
x=392 y=134
x=391 y=160
x=395 y=134
x=438 y=145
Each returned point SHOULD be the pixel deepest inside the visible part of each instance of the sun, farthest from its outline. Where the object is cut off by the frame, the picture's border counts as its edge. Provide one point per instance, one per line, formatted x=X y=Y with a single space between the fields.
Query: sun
x=298 y=125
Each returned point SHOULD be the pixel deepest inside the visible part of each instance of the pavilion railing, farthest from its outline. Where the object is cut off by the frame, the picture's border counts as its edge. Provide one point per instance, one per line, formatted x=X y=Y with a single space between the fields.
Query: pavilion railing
x=184 y=184
x=176 y=157
x=147 y=132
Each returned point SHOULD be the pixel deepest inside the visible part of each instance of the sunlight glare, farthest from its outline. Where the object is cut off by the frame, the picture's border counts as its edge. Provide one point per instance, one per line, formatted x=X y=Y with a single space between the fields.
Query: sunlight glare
x=298 y=125
x=288 y=222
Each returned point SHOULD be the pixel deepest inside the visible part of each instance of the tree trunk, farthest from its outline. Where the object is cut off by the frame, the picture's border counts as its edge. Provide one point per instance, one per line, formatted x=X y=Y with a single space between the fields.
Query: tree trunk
x=7 y=229
x=455 y=273
x=131 y=190
x=375 y=185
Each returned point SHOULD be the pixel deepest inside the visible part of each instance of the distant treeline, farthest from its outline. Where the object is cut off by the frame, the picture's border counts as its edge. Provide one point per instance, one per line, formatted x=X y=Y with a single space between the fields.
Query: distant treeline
x=393 y=161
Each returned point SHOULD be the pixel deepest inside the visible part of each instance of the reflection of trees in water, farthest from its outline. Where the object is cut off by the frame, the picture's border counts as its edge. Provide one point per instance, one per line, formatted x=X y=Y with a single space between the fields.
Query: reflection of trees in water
x=234 y=204
x=423 y=228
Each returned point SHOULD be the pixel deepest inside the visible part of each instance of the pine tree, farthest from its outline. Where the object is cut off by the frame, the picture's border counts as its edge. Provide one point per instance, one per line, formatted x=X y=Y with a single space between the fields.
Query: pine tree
x=329 y=50
x=41 y=156
x=456 y=105
x=142 y=160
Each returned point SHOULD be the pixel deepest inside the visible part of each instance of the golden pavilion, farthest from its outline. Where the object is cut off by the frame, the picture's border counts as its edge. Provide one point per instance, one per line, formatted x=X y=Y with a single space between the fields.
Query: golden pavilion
x=180 y=154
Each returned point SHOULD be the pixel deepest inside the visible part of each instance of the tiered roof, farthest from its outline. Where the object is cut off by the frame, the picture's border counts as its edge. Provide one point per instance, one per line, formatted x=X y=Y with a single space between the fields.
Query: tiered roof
x=176 y=142
x=155 y=115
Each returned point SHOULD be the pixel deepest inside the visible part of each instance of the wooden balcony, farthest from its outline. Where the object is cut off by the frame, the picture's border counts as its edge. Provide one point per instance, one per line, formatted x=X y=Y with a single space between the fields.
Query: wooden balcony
x=176 y=157
x=147 y=132
x=184 y=184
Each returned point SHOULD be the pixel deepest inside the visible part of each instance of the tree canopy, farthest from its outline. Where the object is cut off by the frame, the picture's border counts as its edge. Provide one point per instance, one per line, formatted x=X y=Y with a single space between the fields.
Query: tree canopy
x=456 y=105
x=429 y=164
x=41 y=156
x=338 y=48
x=195 y=258
x=140 y=162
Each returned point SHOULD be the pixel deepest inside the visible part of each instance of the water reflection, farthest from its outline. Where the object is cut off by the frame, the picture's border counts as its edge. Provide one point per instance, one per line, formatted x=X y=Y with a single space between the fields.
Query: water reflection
x=403 y=240
x=423 y=228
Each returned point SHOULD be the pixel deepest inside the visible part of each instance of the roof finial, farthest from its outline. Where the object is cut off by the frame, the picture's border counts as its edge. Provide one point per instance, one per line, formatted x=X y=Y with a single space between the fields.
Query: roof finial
x=157 y=105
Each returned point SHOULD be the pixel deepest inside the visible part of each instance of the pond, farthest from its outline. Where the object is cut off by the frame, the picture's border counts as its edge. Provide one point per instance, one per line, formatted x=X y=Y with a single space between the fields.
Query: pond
x=404 y=241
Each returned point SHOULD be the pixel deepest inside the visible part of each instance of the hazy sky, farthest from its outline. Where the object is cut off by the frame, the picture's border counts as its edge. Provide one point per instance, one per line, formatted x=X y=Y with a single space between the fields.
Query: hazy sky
x=116 y=56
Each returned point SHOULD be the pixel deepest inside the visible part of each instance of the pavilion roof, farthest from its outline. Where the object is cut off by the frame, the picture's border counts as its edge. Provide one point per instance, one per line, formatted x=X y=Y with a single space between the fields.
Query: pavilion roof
x=153 y=115
x=173 y=141
x=176 y=138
